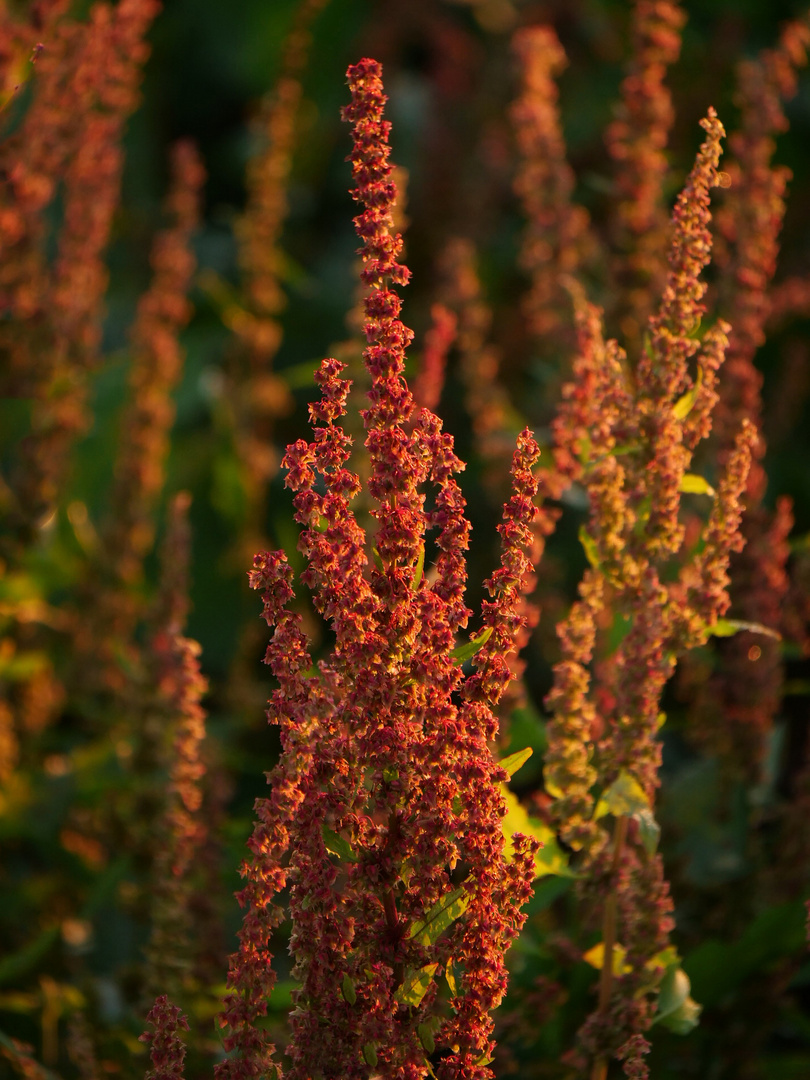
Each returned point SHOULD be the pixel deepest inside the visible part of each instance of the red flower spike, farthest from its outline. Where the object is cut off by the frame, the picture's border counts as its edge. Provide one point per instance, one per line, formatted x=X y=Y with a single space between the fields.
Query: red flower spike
x=166 y=1048
x=385 y=783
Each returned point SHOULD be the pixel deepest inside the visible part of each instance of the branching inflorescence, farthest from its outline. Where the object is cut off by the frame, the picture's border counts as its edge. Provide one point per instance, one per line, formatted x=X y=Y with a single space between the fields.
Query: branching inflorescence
x=630 y=441
x=385 y=814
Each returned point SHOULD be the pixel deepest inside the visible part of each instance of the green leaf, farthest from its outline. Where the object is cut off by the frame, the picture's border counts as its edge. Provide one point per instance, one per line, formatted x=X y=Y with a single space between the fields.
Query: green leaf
x=589 y=544
x=596 y=958
x=370 y=1054
x=619 y=629
x=677 y=1011
x=415 y=985
x=550 y=859
x=441 y=915
x=451 y=979
x=426 y=1032
x=348 y=991
x=515 y=761
x=649 y=830
x=730 y=627
x=336 y=845
x=692 y=484
x=465 y=652
x=419 y=569
x=625 y=796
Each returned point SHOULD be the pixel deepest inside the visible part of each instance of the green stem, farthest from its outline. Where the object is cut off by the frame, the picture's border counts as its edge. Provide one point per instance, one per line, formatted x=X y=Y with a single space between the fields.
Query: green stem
x=609 y=920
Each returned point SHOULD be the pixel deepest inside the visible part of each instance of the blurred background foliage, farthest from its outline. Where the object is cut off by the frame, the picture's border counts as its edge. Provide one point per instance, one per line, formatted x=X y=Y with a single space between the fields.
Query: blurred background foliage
x=73 y=896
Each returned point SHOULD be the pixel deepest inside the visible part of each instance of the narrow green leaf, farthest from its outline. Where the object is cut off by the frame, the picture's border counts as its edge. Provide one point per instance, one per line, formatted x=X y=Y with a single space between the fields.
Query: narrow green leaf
x=692 y=484
x=348 y=991
x=684 y=405
x=624 y=448
x=465 y=652
x=415 y=985
x=451 y=979
x=441 y=915
x=516 y=761
x=589 y=544
x=584 y=448
x=377 y=559
x=336 y=845
x=370 y=1054
x=730 y=627
x=419 y=569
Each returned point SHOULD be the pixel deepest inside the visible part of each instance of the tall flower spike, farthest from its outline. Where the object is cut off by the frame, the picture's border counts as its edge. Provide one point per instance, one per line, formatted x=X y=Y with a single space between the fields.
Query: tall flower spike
x=166 y=1049
x=746 y=692
x=176 y=672
x=557 y=237
x=157 y=364
x=74 y=131
x=663 y=371
x=749 y=224
x=385 y=784
x=636 y=141
x=606 y=720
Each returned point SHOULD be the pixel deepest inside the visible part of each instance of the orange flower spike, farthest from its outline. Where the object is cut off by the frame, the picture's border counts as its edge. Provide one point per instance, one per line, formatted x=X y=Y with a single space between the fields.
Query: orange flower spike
x=557 y=239
x=636 y=141
x=662 y=374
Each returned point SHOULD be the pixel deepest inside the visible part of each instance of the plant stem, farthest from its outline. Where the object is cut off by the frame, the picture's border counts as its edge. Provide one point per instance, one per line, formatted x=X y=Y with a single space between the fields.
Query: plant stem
x=600 y=1065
